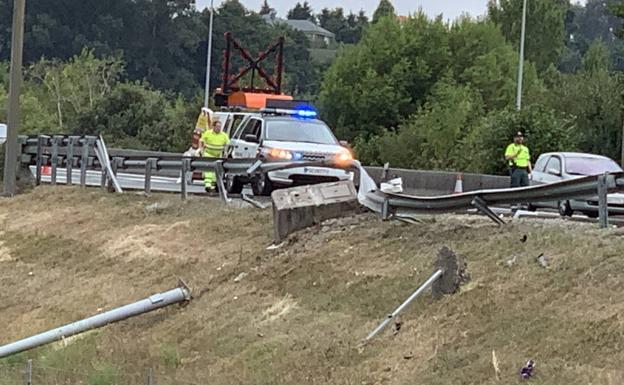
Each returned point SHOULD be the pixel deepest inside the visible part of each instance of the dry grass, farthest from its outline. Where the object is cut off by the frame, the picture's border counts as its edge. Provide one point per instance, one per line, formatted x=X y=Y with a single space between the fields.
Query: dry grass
x=299 y=314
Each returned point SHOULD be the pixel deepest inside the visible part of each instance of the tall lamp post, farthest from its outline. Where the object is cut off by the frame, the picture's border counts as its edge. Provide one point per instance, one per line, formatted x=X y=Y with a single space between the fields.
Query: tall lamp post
x=209 y=56
x=521 y=64
x=17 y=49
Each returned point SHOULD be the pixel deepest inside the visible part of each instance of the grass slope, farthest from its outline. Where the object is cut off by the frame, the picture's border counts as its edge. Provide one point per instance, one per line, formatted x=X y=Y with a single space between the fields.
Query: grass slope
x=299 y=314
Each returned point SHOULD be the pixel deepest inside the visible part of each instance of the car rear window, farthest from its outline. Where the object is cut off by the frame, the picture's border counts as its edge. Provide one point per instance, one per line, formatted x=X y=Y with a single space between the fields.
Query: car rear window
x=580 y=165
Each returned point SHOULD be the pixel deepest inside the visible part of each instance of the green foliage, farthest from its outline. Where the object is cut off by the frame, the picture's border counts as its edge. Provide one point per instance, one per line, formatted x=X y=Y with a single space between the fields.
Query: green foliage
x=348 y=29
x=545 y=131
x=545 y=31
x=134 y=116
x=170 y=356
x=597 y=58
x=104 y=374
x=384 y=9
x=301 y=12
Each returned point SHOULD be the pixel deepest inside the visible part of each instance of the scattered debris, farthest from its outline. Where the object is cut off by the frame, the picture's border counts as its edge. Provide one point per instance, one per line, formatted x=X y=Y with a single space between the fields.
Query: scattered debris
x=495 y=365
x=541 y=259
x=524 y=238
x=397 y=325
x=392 y=186
x=30 y=273
x=512 y=261
x=408 y=356
x=527 y=370
x=240 y=277
x=275 y=247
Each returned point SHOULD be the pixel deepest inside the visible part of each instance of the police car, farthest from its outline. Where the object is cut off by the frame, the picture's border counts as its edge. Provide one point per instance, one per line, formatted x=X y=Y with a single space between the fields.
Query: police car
x=287 y=134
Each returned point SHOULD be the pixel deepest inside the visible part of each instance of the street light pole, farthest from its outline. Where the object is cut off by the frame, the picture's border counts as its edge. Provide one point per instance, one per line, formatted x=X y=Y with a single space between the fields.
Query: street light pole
x=521 y=64
x=209 y=56
x=17 y=50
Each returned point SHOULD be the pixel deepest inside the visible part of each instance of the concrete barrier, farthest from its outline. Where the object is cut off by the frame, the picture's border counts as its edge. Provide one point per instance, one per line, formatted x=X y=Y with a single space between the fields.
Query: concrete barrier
x=300 y=207
x=423 y=182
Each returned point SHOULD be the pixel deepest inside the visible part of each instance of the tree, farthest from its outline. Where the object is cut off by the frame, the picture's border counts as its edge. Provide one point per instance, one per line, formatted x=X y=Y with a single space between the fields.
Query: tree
x=348 y=29
x=597 y=58
x=385 y=8
x=545 y=31
x=301 y=12
x=267 y=10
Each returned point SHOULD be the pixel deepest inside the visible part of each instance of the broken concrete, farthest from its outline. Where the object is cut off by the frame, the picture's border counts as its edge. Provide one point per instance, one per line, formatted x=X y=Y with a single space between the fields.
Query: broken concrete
x=305 y=206
x=455 y=273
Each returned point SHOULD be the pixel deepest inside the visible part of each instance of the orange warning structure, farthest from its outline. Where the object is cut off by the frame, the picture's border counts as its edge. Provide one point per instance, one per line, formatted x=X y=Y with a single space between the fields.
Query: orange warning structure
x=231 y=94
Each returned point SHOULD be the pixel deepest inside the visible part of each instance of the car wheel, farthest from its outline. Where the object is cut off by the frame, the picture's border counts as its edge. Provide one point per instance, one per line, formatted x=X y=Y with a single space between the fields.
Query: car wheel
x=262 y=185
x=532 y=208
x=591 y=214
x=564 y=209
x=233 y=185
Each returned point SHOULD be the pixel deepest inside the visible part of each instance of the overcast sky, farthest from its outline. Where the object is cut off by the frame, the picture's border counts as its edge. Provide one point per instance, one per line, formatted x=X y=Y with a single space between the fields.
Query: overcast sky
x=449 y=8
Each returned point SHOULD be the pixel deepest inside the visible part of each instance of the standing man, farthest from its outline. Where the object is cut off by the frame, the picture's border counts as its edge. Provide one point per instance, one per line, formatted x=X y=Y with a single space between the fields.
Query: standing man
x=211 y=145
x=519 y=161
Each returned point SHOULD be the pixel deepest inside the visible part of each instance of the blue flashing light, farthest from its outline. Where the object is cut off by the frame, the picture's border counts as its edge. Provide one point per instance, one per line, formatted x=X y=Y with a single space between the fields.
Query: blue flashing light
x=297 y=156
x=305 y=112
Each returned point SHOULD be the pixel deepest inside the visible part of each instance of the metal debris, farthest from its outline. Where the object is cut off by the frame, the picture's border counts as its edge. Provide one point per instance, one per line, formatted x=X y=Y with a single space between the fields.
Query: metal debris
x=241 y=276
x=527 y=370
x=512 y=261
x=541 y=259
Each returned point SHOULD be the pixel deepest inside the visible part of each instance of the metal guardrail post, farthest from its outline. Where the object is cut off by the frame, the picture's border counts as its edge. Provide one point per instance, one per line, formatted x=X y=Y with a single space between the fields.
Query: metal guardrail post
x=150 y=165
x=103 y=178
x=603 y=209
x=56 y=139
x=84 y=159
x=69 y=161
x=385 y=210
x=482 y=206
x=178 y=295
x=41 y=142
x=186 y=166
x=150 y=377
x=220 y=172
x=117 y=164
x=29 y=372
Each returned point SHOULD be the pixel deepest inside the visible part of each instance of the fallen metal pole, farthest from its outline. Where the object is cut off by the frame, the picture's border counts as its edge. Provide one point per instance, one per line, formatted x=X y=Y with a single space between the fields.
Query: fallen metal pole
x=399 y=309
x=156 y=301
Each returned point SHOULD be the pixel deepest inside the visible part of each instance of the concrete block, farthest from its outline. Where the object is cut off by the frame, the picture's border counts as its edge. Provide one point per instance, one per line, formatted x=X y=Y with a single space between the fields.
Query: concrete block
x=301 y=207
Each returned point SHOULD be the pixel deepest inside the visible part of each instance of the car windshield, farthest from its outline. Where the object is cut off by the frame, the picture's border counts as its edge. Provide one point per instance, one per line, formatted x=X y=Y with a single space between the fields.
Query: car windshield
x=295 y=130
x=590 y=166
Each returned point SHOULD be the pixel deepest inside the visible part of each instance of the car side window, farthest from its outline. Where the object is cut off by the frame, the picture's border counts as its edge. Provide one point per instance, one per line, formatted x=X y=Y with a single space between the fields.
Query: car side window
x=253 y=127
x=554 y=165
x=540 y=165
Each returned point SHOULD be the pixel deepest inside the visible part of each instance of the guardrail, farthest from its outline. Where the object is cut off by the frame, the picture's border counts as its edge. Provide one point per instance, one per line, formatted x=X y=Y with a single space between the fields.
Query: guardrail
x=397 y=205
x=89 y=153
x=82 y=152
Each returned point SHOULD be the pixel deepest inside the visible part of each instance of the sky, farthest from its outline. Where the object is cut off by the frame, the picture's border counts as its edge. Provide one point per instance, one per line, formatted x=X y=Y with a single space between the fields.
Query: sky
x=451 y=9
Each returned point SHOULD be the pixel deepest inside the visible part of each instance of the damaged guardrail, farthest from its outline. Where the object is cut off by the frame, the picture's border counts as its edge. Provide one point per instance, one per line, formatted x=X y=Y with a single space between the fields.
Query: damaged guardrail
x=178 y=295
x=394 y=205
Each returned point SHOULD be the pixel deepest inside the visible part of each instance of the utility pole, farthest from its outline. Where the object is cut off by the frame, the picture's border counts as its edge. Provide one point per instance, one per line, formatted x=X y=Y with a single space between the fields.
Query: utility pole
x=521 y=64
x=17 y=48
x=209 y=56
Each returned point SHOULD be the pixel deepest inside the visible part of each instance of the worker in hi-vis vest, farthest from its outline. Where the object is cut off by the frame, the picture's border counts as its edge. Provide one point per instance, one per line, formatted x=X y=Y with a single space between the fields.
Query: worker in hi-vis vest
x=212 y=144
x=519 y=160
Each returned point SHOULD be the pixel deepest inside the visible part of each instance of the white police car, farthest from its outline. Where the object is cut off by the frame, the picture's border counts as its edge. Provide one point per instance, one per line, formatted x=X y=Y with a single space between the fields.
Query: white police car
x=287 y=134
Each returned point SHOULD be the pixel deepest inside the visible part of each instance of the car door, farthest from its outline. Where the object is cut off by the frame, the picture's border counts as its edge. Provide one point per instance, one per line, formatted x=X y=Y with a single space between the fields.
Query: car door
x=246 y=142
x=553 y=171
x=539 y=170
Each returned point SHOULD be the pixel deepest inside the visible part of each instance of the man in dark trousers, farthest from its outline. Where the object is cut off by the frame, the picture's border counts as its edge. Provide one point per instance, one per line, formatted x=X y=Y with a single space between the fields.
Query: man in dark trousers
x=519 y=160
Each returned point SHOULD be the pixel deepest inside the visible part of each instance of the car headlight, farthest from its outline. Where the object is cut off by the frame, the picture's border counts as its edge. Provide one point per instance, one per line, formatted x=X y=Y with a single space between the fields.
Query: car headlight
x=276 y=153
x=344 y=156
